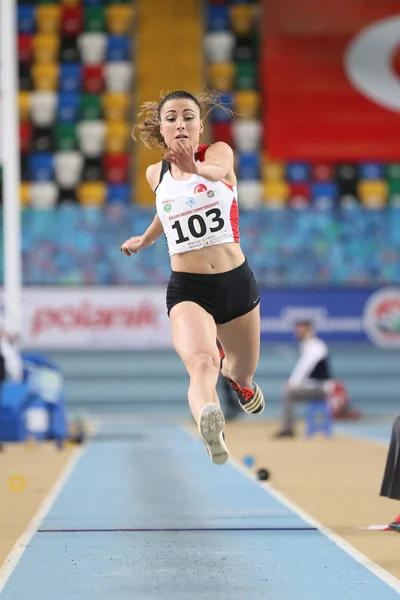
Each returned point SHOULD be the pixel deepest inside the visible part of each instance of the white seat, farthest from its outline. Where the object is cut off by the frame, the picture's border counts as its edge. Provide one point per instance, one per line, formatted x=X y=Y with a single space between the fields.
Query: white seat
x=219 y=46
x=93 y=48
x=247 y=135
x=43 y=108
x=43 y=194
x=118 y=76
x=68 y=168
x=91 y=136
x=249 y=194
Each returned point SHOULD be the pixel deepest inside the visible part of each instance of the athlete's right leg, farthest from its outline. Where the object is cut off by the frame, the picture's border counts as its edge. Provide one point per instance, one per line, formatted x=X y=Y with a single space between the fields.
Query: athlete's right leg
x=193 y=335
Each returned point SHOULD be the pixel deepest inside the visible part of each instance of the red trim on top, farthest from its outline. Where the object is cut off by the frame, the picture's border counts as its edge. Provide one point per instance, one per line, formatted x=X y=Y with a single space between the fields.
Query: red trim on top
x=234 y=219
x=201 y=152
x=228 y=185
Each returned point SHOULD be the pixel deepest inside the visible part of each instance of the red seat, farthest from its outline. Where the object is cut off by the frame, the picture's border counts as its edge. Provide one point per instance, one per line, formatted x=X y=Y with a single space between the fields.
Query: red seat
x=222 y=132
x=300 y=195
x=25 y=48
x=116 y=167
x=72 y=20
x=93 y=79
x=25 y=136
x=322 y=172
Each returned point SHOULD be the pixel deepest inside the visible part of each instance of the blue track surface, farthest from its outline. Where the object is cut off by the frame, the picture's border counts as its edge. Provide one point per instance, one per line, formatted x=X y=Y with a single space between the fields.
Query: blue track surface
x=212 y=533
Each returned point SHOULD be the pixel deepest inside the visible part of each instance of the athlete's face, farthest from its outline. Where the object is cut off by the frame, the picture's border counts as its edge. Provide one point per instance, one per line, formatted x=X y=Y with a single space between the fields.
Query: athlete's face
x=180 y=119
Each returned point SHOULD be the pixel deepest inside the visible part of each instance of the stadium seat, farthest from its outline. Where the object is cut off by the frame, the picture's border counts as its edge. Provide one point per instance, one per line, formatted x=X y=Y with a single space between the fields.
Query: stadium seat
x=25 y=193
x=247 y=103
x=46 y=47
x=40 y=166
x=221 y=76
x=91 y=137
x=92 y=169
x=43 y=195
x=42 y=139
x=219 y=115
x=118 y=76
x=118 y=48
x=219 y=46
x=119 y=18
x=246 y=75
x=246 y=48
x=117 y=137
x=69 y=51
x=222 y=132
x=24 y=167
x=48 y=18
x=371 y=170
x=91 y=108
x=43 y=108
x=70 y=77
x=392 y=171
x=24 y=77
x=67 y=196
x=68 y=106
x=247 y=135
x=248 y=165
x=116 y=106
x=218 y=18
x=249 y=194
x=118 y=194
x=24 y=105
x=68 y=168
x=242 y=18
x=92 y=193
x=116 y=168
x=273 y=170
x=346 y=177
x=66 y=138
x=297 y=172
x=93 y=79
x=72 y=20
x=324 y=194
x=322 y=172
x=276 y=193
x=26 y=18
x=92 y=47
x=45 y=76
x=25 y=48
x=25 y=136
x=373 y=194
x=94 y=19
x=299 y=195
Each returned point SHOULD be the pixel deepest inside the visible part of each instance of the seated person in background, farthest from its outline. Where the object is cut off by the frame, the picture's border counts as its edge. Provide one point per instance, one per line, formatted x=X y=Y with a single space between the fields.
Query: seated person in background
x=309 y=377
x=391 y=479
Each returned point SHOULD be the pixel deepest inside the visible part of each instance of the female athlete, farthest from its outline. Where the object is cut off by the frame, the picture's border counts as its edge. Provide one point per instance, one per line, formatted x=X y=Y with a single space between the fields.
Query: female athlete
x=212 y=293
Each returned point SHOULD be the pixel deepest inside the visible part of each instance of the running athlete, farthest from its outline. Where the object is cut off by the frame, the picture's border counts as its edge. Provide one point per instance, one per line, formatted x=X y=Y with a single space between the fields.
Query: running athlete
x=212 y=293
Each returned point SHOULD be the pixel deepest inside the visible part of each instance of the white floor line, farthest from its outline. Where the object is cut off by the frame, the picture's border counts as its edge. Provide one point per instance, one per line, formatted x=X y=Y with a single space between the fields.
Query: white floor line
x=21 y=544
x=386 y=577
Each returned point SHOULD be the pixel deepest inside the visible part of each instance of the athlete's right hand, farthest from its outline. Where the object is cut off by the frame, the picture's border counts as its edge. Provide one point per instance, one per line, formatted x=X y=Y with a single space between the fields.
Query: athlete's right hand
x=134 y=244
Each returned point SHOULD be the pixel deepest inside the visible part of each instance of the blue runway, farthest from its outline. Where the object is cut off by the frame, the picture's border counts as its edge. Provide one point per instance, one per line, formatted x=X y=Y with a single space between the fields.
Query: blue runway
x=145 y=515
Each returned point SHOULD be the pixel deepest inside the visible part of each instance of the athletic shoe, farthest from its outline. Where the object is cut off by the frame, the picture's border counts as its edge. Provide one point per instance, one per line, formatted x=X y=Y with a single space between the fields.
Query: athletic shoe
x=251 y=400
x=395 y=525
x=211 y=426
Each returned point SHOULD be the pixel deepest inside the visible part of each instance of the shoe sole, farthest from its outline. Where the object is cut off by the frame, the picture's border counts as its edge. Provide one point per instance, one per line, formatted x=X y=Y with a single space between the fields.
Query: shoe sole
x=211 y=426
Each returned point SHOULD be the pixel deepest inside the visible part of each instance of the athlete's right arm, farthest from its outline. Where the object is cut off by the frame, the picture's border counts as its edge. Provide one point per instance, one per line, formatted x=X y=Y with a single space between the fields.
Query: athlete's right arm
x=134 y=244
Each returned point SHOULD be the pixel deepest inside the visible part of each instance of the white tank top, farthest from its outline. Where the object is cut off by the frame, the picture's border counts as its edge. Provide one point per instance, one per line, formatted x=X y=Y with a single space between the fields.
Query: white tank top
x=196 y=213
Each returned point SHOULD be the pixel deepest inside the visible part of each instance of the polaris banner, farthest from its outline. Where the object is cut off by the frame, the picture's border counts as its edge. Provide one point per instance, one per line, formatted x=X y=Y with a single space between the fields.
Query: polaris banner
x=338 y=315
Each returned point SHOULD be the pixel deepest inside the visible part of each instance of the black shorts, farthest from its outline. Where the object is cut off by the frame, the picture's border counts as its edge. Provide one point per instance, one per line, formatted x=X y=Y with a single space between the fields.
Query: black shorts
x=225 y=296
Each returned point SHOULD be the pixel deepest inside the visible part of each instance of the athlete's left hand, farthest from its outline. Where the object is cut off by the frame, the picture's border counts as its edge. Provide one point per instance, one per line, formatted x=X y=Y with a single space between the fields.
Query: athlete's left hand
x=181 y=154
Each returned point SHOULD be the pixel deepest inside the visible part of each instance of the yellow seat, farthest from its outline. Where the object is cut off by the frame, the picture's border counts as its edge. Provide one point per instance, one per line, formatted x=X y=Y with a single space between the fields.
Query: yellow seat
x=45 y=76
x=116 y=106
x=243 y=19
x=48 y=18
x=24 y=104
x=247 y=104
x=71 y=2
x=276 y=193
x=273 y=170
x=25 y=193
x=221 y=76
x=373 y=194
x=118 y=18
x=45 y=47
x=92 y=193
x=117 y=137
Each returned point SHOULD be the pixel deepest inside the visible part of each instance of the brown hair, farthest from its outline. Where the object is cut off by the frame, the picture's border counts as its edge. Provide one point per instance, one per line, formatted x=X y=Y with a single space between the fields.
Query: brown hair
x=147 y=129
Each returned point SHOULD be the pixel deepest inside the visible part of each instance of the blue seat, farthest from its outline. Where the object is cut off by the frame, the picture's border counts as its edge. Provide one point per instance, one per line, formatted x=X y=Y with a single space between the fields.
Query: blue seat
x=68 y=107
x=319 y=418
x=324 y=194
x=218 y=115
x=118 y=48
x=249 y=165
x=26 y=18
x=371 y=171
x=70 y=77
x=218 y=18
x=40 y=166
x=119 y=193
x=12 y=420
x=94 y=2
x=298 y=172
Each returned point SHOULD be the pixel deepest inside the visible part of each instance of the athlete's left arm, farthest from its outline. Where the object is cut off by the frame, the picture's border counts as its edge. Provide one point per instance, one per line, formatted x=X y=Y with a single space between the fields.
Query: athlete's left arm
x=218 y=163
